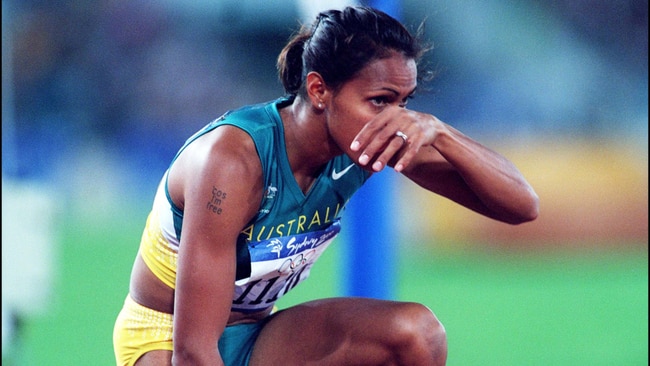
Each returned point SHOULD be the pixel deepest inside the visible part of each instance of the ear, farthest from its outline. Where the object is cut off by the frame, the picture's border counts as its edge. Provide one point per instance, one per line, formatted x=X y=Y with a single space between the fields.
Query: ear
x=317 y=90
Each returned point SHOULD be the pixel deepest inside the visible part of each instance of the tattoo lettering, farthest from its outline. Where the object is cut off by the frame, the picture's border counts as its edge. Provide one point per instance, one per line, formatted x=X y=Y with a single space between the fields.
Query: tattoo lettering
x=217 y=197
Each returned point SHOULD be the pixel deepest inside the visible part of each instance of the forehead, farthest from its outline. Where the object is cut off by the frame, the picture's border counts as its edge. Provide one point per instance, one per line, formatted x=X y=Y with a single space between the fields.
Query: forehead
x=397 y=73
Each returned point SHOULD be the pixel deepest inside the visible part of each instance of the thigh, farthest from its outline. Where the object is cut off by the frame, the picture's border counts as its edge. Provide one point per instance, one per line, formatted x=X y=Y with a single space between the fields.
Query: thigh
x=336 y=331
x=142 y=336
x=155 y=358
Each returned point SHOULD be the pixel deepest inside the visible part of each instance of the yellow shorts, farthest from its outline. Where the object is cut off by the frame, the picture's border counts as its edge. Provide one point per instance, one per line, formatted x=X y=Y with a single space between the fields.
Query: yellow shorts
x=139 y=330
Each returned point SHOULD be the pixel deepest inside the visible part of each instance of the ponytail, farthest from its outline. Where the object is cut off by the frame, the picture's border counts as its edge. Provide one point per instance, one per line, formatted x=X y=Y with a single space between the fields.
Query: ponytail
x=290 y=64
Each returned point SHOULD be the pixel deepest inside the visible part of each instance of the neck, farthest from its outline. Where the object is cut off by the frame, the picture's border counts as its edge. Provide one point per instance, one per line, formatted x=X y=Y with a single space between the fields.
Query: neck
x=306 y=140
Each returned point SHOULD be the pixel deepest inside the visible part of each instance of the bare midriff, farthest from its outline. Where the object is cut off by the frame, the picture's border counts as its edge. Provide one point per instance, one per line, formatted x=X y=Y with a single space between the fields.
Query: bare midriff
x=147 y=290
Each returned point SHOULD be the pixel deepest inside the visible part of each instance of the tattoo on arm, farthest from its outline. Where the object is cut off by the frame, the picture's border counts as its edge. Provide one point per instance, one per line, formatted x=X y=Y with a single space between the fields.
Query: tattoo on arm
x=214 y=204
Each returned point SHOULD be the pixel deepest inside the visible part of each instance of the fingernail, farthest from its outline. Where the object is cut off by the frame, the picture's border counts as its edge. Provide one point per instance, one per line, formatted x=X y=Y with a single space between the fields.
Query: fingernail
x=355 y=145
x=364 y=159
x=377 y=166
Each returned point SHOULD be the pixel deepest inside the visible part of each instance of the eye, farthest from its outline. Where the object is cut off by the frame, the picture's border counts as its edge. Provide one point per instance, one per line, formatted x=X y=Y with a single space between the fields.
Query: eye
x=405 y=101
x=379 y=101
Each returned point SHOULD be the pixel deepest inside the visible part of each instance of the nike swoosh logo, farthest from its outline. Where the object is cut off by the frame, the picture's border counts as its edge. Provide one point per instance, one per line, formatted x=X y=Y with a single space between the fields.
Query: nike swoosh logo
x=336 y=175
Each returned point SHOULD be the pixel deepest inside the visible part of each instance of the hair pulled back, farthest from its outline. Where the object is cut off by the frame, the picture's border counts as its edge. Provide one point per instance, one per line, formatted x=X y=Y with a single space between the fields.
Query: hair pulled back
x=342 y=42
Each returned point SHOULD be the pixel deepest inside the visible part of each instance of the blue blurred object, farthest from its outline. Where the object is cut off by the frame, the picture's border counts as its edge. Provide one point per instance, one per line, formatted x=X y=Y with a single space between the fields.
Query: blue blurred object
x=372 y=245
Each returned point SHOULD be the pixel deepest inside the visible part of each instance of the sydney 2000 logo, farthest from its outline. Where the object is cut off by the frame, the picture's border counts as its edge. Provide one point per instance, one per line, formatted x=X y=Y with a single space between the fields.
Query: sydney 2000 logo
x=290 y=265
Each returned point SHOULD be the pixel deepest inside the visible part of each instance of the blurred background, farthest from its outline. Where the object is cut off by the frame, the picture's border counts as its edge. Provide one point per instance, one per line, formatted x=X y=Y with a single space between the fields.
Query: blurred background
x=97 y=96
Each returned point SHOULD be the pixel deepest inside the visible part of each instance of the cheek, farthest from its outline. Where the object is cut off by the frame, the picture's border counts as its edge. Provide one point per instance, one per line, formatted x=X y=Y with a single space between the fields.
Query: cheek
x=344 y=127
x=348 y=119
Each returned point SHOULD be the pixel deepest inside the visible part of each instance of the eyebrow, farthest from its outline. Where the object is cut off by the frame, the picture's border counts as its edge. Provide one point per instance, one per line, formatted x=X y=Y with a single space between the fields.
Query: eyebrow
x=413 y=90
x=397 y=93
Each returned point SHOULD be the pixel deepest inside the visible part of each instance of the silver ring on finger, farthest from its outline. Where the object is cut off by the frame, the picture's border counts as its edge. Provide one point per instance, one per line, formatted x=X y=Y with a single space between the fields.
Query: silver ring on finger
x=402 y=135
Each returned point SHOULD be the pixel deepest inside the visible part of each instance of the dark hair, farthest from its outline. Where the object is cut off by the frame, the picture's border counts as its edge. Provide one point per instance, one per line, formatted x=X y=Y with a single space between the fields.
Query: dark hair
x=342 y=42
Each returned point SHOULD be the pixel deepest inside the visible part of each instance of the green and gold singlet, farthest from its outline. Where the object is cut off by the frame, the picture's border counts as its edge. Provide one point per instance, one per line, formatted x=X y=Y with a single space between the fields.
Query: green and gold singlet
x=276 y=250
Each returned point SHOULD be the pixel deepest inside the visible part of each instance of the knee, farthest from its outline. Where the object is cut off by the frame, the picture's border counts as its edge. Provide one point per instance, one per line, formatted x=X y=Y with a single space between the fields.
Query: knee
x=417 y=322
x=419 y=335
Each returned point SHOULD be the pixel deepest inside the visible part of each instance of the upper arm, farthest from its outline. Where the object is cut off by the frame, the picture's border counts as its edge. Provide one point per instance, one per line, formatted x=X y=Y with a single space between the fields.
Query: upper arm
x=217 y=181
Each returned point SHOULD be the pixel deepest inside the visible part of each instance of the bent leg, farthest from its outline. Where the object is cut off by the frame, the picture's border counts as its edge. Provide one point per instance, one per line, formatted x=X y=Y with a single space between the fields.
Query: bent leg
x=352 y=331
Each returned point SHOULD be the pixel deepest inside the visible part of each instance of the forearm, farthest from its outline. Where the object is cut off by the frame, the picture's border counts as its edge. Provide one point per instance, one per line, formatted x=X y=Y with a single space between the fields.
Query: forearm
x=180 y=358
x=498 y=186
x=203 y=298
x=196 y=335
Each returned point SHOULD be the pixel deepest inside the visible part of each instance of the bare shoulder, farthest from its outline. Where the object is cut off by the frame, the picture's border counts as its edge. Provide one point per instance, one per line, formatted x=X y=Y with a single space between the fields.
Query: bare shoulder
x=224 y=158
